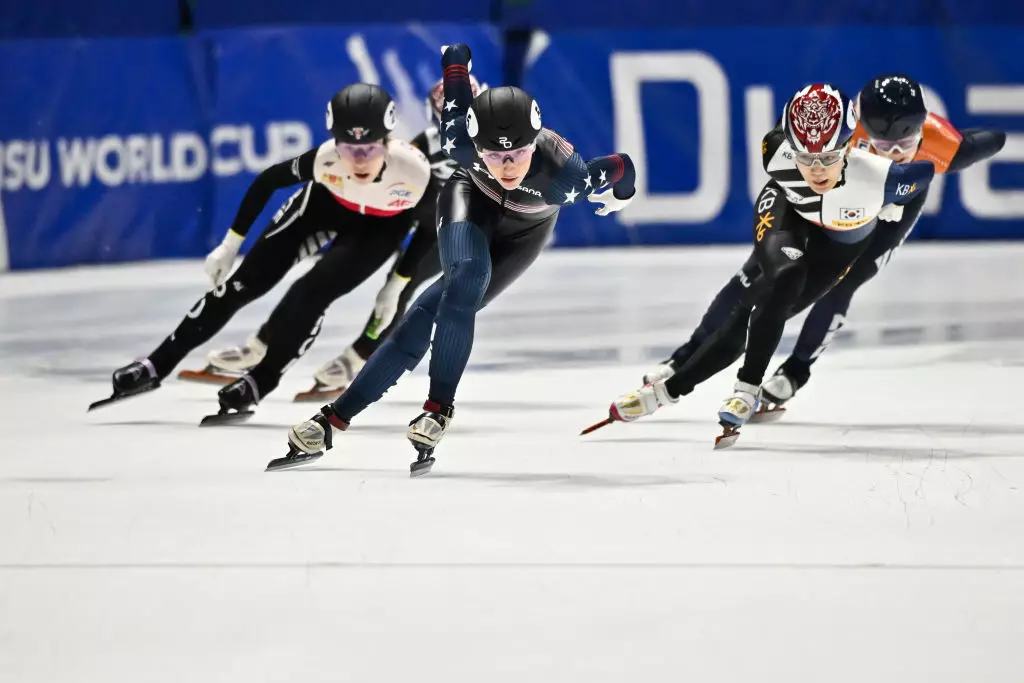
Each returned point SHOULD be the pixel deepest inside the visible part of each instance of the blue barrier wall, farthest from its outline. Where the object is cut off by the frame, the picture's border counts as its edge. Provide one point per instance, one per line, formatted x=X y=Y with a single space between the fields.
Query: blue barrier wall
x=21 y=19
x=122 y=149
x=143 y=148
x=619 y=14
x=101 y=154
x=52 y=18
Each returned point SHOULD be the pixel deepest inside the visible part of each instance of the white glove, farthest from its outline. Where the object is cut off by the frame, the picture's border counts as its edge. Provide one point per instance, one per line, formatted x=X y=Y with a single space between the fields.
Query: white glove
x=219 y=262
x=609 y=200
x=891 y=213
x=386 y=306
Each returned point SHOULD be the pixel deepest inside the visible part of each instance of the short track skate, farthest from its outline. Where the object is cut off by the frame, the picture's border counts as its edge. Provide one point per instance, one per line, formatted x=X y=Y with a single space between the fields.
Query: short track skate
x=122 y=395
x=768 y=412
x=227 y=416
x=208 y=375
x=293 y=458
x=598 y=425
x=729 y=436
x=319 y=392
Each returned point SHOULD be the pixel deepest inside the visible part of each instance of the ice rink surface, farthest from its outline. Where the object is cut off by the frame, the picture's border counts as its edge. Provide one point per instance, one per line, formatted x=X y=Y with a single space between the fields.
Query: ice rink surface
x=876 y=534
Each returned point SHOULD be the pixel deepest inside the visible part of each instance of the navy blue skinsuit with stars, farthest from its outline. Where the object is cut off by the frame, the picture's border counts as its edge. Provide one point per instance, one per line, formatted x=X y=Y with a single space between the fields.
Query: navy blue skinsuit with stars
x=487 y=237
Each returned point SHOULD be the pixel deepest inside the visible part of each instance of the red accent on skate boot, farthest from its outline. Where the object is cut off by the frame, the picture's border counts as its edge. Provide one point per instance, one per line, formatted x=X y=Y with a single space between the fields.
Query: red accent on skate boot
x=439 y=408
x=337 y=422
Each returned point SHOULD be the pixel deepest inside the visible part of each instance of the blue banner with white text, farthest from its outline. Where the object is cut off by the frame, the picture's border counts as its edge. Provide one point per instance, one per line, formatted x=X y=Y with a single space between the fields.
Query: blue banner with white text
x=691 y=106
x=102 y=152
x=124 y=149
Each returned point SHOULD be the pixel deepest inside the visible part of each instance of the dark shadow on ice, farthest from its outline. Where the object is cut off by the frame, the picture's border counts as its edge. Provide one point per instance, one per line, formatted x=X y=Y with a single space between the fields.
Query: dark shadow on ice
x=398 y=429
x=576 y=480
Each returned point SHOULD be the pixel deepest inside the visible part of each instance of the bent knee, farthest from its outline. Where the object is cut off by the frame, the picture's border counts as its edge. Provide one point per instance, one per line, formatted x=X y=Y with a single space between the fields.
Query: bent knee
x=466 y=282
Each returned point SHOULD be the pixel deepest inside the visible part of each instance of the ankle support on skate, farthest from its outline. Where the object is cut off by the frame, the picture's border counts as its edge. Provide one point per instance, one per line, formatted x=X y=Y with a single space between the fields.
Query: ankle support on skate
x=439 y=408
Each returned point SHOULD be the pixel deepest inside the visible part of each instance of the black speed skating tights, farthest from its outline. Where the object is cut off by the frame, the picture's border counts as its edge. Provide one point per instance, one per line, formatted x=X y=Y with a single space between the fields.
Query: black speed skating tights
x=361 y=244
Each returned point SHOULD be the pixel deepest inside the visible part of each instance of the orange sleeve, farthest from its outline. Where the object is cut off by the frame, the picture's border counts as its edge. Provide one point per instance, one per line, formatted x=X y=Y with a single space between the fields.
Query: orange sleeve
x=939 y=143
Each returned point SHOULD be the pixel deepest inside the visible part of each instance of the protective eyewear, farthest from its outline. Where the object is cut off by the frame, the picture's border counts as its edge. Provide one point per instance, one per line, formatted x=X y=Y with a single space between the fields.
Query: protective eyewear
x=901 y=146
x=826 y=159
x=495 y=158
x=364 y=151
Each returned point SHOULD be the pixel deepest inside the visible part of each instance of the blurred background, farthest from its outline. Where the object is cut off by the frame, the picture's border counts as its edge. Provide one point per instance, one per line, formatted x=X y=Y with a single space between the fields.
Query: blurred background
x=130 y=131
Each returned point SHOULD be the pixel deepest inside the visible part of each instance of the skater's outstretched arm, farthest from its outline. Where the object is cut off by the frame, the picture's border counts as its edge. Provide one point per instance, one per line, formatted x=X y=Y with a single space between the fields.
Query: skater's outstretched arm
x=285 y=174
x=456 y=61
x=978 y=144
x=609 y=180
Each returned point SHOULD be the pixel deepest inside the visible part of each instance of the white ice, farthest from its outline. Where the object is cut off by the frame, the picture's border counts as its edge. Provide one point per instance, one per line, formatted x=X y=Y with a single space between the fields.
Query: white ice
x=876 y=534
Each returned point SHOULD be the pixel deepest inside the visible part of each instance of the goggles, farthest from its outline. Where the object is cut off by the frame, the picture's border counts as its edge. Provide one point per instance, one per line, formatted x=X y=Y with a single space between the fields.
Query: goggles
x=495 y=158
x=902 y=145
x=826 y=159
x=363 y=151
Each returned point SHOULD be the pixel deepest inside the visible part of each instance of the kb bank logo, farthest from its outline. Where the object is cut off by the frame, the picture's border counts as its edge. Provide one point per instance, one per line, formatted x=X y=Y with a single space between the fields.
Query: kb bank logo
x=631 y=70
x=179 y=157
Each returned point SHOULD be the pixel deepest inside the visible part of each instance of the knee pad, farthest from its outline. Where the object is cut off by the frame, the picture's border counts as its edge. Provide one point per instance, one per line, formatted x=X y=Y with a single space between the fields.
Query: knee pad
x=466 y=283
x=782 y=268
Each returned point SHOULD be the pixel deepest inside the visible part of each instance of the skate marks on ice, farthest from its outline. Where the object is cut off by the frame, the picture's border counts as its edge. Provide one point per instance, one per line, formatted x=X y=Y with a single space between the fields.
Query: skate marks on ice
x=973 y=429
x=866 y=452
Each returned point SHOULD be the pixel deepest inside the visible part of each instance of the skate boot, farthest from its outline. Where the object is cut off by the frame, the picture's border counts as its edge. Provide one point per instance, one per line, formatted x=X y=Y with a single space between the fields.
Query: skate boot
x=425 y=432
x=133 y=379
x=236 y=402
x=226 y=365
x=735 y=412
x=640 y=403
x=662 y=371
x=333 y=377
x=308 y=441
x=238 y=359
x=780 y=387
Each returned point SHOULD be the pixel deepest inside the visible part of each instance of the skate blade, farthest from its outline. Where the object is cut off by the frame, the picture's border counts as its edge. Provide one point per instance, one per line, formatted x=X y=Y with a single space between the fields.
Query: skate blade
x=597 y=425
x=421 y=467
x=293 y=459
x=766 y=416
x=315 y=395
x=226 y=418
x=207 y=376
x=119 y=397
x=726 y=440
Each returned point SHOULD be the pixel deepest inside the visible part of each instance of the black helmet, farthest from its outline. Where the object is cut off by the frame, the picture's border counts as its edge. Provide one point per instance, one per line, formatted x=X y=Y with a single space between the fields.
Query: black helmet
x=892 y=107
x=503 y=118
x=361 y=113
